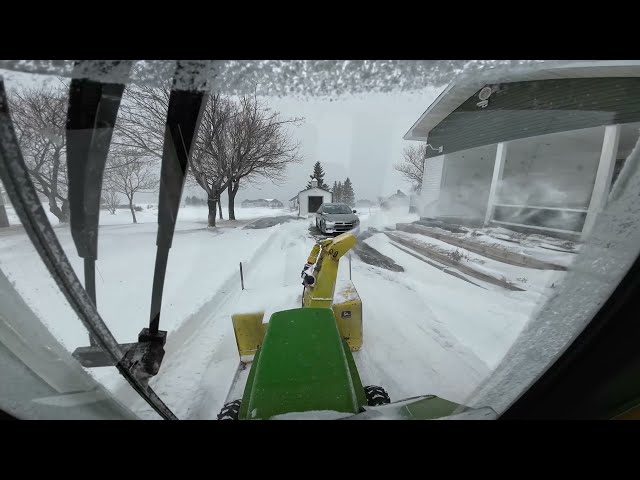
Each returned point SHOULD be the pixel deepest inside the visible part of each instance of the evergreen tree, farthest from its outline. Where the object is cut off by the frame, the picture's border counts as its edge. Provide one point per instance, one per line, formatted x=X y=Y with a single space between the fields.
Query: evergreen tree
x=187 y=200
x=318 y=174
x=348 y=196
x=339 y=192
x=334 y=190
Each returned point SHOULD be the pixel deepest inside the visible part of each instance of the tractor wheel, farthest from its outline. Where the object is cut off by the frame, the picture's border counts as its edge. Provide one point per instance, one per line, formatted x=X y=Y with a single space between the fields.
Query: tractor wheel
x=376 y=395
x=230 y=410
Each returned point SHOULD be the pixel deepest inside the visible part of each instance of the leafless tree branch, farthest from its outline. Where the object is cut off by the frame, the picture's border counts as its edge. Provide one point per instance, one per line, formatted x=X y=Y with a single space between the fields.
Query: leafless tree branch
x=111 y=199
x=128 y=174
x=39 y=116
x=412 y=166
x=260 y=146
x=236 y=141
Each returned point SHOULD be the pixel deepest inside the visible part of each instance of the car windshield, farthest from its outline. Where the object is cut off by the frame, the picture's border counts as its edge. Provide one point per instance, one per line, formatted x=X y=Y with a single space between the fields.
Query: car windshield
x=159 y=235
x=336 y=209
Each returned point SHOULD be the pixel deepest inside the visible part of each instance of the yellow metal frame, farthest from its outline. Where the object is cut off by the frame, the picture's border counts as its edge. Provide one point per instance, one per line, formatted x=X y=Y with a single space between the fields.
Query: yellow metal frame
x=324 y=257
x=249 y=331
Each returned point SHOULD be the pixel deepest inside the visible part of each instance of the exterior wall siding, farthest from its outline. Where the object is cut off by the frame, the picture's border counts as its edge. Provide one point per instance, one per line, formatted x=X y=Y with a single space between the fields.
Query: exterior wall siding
x=431 y=181
x=525 y=109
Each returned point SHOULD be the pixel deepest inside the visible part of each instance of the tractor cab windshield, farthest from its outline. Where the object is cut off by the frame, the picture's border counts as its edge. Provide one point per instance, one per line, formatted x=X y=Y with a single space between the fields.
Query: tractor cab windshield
x=182 y=240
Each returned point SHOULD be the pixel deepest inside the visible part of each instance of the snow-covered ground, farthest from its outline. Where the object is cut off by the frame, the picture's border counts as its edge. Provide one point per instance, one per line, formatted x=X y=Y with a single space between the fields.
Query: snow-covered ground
x=425 y=332
x=149 y=214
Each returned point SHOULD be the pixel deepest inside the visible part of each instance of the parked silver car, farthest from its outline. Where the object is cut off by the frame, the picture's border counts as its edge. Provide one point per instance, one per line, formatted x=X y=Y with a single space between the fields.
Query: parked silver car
x=336 y=218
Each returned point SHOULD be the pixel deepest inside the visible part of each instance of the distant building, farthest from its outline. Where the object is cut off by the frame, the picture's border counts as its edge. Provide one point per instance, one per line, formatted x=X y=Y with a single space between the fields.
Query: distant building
x=275 y=203
x=263 y=203
x=398 y=199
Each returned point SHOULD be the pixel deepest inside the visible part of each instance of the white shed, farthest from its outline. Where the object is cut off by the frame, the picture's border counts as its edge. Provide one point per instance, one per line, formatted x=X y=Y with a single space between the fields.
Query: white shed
x=310 y=200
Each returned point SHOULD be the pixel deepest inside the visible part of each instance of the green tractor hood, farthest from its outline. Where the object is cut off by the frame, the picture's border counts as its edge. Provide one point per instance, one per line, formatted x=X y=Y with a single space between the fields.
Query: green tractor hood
x=302 y=365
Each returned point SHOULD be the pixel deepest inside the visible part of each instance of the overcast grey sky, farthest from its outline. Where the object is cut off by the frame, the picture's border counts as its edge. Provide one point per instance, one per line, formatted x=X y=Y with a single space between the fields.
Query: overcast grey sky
x=355 y=137
x=359 y=137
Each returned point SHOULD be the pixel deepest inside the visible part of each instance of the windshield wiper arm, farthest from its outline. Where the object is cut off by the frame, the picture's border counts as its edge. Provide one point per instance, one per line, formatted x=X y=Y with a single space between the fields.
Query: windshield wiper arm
x=183 y=120
x=91 y=117
x=16 y=179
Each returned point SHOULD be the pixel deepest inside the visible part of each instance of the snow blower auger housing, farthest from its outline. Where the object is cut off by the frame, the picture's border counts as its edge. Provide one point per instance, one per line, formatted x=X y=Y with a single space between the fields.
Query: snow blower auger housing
x=322 y=289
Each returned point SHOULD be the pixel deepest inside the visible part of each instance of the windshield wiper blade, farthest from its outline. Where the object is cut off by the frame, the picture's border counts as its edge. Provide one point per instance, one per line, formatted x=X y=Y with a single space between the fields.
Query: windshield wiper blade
x=183 y=121
x=17 y=182
x=91 y=117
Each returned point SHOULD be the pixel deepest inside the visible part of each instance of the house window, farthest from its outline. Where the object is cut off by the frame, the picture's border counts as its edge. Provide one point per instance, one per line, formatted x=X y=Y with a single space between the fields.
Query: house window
x=548 y=180
x=629 y=135
x=466 y=181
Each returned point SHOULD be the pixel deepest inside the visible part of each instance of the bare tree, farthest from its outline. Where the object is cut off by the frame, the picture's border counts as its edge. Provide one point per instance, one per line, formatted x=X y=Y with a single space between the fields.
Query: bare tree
x=141 y=126
x=235 y=141
x=128 y=174
x=210 y=159
x=260 y=146
x=111 y=200
x=412 y=166
x=39 y=116
x=141 y=120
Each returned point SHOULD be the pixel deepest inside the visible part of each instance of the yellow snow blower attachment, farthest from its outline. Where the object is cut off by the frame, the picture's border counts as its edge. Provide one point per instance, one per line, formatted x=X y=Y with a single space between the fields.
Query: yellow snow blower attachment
x=322 y=289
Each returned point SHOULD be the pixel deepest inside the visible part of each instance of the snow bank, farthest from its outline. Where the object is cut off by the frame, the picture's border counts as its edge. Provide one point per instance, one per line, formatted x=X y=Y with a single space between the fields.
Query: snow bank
x=532 y=245
x=195 y=213
x=484 y=321
x=527 y=278
x=149 y=214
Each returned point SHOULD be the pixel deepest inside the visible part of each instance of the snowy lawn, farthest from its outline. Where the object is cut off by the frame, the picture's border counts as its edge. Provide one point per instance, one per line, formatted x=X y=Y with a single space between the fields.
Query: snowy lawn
x=201 y=262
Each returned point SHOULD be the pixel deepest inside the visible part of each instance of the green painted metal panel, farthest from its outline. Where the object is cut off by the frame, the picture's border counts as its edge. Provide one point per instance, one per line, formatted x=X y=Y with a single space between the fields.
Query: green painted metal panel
x=301 y=366
x=355 y=376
